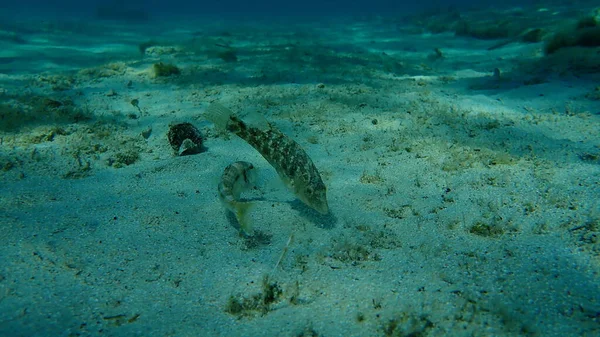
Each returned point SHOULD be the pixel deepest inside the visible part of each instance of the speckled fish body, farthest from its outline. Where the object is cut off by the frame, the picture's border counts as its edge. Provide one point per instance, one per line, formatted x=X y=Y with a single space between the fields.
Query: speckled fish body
x=237 y=177
x=291 y=162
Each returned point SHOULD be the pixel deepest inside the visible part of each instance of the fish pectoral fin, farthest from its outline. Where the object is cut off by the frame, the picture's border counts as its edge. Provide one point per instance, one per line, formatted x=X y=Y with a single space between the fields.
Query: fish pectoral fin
x=241 y=214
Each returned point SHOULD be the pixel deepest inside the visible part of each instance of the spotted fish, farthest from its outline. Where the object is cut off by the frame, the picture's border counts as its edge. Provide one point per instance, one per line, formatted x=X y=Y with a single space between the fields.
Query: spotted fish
x=291 y=162
x=236 y=178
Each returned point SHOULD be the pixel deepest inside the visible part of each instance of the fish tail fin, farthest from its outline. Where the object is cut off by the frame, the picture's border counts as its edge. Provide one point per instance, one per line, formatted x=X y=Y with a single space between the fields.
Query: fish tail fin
x=219 y=115
x=241 y=214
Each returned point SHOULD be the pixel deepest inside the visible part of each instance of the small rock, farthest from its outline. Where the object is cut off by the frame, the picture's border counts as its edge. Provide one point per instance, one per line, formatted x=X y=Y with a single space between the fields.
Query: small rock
x=497 y=74
x=147 y=132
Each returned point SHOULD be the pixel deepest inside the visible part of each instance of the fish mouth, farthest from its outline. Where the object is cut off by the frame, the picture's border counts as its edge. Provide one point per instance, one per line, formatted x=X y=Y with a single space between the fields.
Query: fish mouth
x=322 y=208
x=317 y=205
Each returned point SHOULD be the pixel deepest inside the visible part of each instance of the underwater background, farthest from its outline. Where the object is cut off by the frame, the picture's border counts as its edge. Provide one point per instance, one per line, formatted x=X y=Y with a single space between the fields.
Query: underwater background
x=267 y=7
x=315 y=168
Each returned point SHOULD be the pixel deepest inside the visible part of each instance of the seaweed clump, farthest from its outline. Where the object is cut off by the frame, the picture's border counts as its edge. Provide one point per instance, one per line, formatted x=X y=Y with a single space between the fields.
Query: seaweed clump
x=122 y=159
x=165 y=69
x=408 y=324
x=586 y=33
x=486 y=230
x=486 y=30
x=31 y=110
x=228 y=56
x=533 y=35
x=260 y=303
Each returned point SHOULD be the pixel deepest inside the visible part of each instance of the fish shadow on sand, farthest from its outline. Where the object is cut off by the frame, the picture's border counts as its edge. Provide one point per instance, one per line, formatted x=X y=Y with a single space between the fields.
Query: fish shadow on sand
x=324 y=221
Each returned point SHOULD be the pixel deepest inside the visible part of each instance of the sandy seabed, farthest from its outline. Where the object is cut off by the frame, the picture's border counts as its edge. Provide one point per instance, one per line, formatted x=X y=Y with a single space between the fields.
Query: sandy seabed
x=463 y=183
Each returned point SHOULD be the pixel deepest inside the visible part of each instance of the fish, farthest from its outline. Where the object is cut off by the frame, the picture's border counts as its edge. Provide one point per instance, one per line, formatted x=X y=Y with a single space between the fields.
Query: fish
x=286 y=156
x=237 y=178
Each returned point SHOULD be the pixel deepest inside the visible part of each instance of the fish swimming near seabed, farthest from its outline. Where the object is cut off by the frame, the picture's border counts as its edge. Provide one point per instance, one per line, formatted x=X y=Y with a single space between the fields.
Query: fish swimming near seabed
x=237 y=177
x=291 y=162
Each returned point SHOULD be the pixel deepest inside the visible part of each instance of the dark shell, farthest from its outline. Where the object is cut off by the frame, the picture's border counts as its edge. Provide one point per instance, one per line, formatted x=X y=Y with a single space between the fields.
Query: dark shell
x=179 y=133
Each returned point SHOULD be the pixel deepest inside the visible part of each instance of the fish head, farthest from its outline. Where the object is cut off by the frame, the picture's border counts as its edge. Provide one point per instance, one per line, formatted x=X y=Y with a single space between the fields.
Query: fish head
x=315 y=196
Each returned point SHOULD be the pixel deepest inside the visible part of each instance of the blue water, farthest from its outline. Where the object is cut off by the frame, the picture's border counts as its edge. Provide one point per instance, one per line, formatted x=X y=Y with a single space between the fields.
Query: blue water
x=229 y=7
